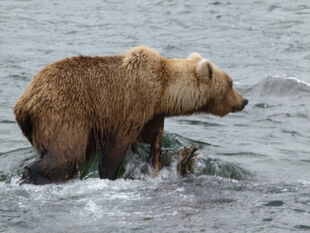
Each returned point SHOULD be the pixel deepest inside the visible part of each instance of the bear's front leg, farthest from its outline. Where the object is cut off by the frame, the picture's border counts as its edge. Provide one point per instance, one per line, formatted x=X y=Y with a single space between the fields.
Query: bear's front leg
x=111 y=156
x=152 y=134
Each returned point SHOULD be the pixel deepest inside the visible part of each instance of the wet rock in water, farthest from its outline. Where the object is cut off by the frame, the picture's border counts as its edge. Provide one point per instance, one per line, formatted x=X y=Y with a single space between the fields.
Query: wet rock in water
x=179 y=162
x=176 y=161
x=138 y=164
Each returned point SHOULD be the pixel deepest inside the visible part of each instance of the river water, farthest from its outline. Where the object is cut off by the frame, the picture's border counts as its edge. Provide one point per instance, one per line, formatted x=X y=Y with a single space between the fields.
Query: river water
x=254 y=173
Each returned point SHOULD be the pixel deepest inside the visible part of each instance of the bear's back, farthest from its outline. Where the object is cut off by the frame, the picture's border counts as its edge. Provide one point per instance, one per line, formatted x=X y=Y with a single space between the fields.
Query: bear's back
x=99 y=89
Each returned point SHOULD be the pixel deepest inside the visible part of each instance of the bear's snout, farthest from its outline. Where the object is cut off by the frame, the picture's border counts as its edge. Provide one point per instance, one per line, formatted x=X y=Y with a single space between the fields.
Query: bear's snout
x=241 y=107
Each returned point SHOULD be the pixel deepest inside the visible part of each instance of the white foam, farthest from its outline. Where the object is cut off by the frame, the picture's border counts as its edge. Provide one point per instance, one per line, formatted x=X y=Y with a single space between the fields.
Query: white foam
x=304 y=182
x=298 y=80
x=94 y=209
x=288 y=77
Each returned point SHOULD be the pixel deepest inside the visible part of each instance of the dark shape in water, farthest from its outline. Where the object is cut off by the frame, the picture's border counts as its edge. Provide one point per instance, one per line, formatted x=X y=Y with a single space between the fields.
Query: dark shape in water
x=275 y=203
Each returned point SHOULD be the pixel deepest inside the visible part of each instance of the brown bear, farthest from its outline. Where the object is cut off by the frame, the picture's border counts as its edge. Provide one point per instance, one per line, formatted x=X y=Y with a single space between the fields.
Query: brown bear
x=83 y=105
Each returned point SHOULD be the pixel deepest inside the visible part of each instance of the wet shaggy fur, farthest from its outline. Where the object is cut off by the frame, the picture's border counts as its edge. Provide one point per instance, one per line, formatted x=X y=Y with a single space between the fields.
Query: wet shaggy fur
x=84 y=105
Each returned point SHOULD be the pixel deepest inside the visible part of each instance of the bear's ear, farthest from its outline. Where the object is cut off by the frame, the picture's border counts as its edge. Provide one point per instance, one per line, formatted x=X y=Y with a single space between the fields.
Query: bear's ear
x=204 y=69
x=194 y=56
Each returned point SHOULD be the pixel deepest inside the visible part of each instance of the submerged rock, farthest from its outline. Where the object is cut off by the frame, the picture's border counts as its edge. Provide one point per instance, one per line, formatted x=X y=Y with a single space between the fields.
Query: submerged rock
x=181 y=162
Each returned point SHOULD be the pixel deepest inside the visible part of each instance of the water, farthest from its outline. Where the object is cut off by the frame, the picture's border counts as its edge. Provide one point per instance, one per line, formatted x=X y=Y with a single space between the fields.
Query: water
x=263 y=45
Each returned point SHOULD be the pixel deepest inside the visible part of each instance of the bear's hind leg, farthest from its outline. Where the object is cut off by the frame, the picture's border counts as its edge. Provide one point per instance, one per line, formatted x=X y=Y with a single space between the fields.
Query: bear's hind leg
x=32 y=174
x=62 y=152
x=53 y=167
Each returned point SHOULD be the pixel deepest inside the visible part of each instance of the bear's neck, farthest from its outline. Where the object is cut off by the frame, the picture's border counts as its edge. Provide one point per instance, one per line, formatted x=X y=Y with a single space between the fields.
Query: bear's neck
x=184 y=93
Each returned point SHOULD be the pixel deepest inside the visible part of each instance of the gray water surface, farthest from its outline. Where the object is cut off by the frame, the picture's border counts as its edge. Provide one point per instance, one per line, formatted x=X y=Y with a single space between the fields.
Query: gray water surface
x=263 y=45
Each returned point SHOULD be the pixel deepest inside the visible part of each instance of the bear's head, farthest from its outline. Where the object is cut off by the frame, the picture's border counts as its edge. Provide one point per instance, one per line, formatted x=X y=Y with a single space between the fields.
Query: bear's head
x=222 y=98
x=196 y=85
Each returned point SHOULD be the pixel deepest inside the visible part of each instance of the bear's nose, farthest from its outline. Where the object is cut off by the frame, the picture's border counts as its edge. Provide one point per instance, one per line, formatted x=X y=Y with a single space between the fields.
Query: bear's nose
x=245 y=102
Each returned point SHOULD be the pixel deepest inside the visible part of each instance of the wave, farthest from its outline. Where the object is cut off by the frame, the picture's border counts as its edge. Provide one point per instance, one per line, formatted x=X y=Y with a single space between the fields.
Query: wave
x=275 y=86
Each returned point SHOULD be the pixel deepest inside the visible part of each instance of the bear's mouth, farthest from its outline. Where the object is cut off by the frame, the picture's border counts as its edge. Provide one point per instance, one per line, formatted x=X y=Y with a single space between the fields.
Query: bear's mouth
x=238 y=109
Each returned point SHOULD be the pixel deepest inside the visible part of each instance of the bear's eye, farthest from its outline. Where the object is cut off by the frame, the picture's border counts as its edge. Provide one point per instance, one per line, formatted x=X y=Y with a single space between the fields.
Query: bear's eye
x=230 y=84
